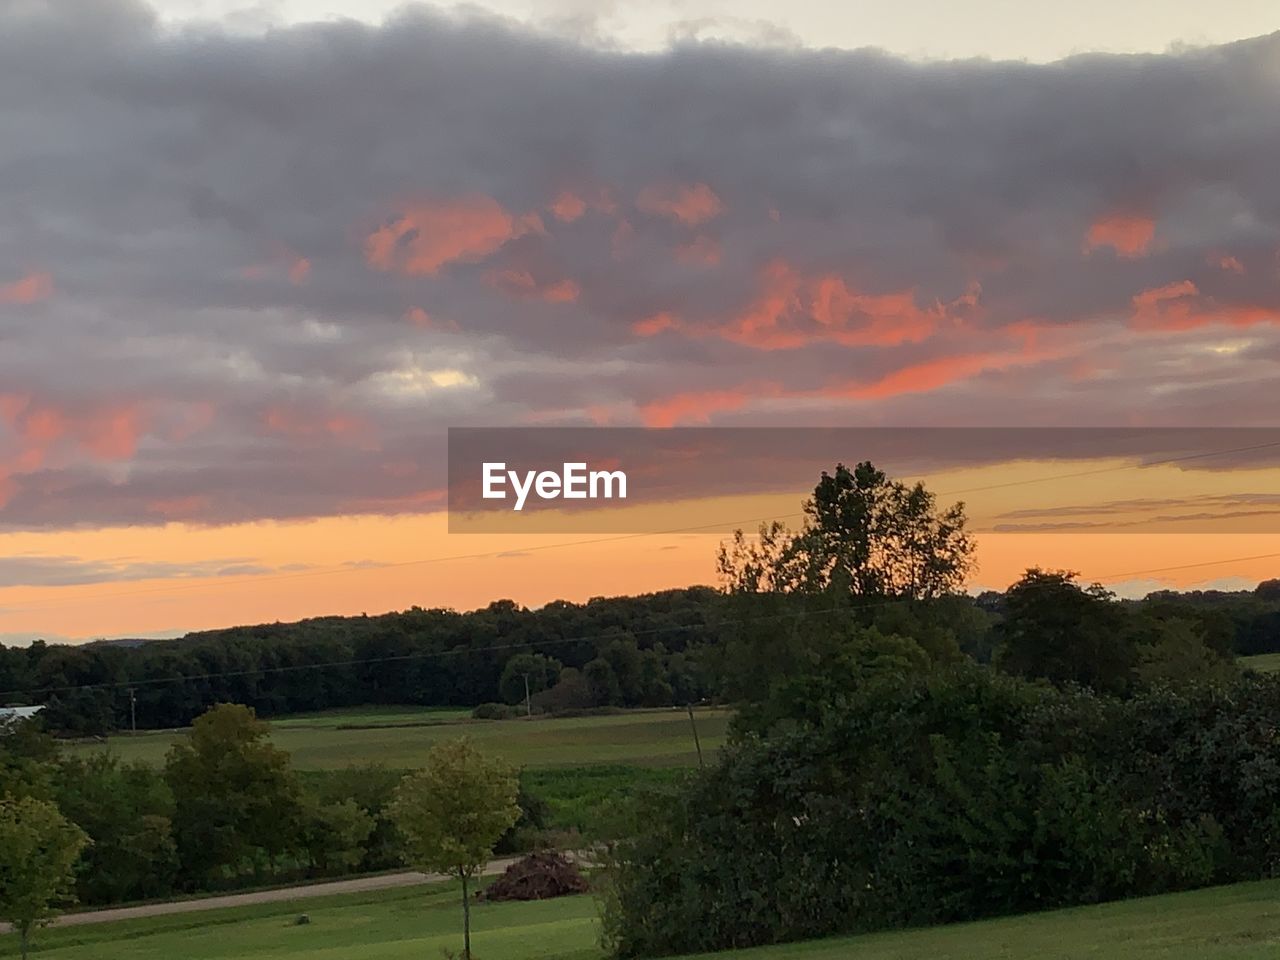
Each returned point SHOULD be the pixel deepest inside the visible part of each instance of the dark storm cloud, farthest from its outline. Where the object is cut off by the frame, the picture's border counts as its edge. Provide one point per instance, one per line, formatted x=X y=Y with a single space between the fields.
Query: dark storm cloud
x=248 y=277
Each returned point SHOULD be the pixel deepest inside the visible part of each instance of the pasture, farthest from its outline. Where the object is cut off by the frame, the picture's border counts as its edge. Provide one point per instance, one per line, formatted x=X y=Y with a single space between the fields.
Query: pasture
x=399 y=737
x=1262 y=662
x=1240 y=922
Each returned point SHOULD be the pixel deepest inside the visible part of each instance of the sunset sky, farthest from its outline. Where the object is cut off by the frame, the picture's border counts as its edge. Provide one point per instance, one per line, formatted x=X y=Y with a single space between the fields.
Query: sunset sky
x=255 y=259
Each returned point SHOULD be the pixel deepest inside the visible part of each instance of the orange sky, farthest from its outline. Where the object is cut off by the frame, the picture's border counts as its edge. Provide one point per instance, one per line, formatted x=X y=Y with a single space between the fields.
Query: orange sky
x=371 y=564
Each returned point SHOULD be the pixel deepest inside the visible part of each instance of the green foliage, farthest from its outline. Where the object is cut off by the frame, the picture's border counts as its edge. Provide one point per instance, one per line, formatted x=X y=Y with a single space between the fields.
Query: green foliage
x=127 y=811
x=334 y=834
x=453 y=810
x=952 y=795
x=235 y=798
x=26 y=755
x=372 y=788
x=1064 y=633
x=38 y=851
x=1179 y=654
x=541 y=673
x=810 y=693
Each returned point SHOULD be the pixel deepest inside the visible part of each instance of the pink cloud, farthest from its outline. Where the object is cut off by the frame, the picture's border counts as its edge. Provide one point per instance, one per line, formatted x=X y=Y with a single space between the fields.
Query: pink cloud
x=28 y=289
x=108 y=433
x=567 y=206
x=792 y=309
x=522 y=285
x=429 y=235
x=1128 y=235
x=655 y=324
x=697 y=406
x=689 y=204
x=1180 y=306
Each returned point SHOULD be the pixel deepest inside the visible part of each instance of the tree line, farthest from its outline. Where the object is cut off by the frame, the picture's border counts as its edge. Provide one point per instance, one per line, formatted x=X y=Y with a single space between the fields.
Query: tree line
x=668 y=648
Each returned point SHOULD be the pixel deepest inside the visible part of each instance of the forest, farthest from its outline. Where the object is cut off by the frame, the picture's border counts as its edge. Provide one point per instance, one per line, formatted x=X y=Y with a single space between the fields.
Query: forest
x=653 y=650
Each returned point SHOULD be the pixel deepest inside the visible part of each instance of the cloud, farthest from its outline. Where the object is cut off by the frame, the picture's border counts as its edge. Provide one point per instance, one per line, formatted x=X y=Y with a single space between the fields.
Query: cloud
x=27 y=289
x=65 y=571
x=286 y=262
x=1127 y=235
x=689 y=204
x=429 y=235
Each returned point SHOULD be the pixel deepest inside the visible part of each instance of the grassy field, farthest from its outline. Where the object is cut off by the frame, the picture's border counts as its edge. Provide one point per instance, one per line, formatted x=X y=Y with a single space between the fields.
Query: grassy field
x=398 y=738
x=1262 y=662
x=389 y=925
x=1241 y=922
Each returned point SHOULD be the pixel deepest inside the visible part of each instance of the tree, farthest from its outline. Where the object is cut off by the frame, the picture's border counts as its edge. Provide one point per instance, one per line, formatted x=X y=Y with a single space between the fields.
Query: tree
x=452 y=812
x=1179 y=656
x=864 y=538
x=1057 y=630
x=1268 y=590
x=127 y=811
x=864 y=535
x=540 y=672
x=602 y=682
x=38 y=851
x=235 y=796
x=334 y=834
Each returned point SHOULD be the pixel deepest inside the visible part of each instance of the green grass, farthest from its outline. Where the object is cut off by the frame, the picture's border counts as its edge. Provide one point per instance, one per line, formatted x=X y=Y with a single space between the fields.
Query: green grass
x=399 y=738
x=1240 y=922
x=1262 y=662
x=371 y=717
x=415 y=923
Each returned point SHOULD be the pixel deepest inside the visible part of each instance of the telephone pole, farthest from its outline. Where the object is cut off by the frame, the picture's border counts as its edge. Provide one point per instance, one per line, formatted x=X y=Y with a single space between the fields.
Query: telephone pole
x=133 y=712
x=696 y=742
x=528 y=704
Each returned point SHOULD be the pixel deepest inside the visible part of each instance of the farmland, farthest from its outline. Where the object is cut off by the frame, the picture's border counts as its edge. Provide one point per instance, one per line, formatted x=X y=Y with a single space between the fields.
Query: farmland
x=1239 y=922
x=399 y=737
x=1262 y=662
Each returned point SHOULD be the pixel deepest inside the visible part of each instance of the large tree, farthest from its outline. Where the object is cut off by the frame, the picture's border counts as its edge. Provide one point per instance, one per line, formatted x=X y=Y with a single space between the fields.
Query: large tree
x=452 y=812
x=38 y=851
x=864 y=534
x=868 y=545
x=1057 y=630
x=236 y=800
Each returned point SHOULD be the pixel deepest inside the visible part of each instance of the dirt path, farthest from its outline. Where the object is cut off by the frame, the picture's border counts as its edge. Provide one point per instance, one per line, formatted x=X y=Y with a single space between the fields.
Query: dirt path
x=283 y=895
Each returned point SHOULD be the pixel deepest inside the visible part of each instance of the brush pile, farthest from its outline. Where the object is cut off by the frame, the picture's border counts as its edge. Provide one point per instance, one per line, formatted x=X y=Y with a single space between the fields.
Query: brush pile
x=539 y=876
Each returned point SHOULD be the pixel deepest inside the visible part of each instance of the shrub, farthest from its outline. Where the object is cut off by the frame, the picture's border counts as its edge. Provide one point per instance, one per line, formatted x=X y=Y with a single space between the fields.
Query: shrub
x=952 y=796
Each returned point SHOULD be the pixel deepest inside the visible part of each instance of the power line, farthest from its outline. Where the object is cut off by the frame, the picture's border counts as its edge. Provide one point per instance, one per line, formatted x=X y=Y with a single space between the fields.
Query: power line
x=455 y=558
x=1191 y=566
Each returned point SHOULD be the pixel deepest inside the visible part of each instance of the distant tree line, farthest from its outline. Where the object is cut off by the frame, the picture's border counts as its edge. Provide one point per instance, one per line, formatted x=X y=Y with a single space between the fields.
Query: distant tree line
x=673 y=647
x=621 y=652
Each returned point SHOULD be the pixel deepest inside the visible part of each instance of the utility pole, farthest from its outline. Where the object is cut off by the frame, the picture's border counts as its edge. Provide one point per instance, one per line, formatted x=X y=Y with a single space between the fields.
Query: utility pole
x=528 y=704
x=133 y=712
x=696 y=742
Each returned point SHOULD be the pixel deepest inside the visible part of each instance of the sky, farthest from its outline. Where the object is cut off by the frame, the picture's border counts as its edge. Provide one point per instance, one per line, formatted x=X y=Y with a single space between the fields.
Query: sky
x=255 y=259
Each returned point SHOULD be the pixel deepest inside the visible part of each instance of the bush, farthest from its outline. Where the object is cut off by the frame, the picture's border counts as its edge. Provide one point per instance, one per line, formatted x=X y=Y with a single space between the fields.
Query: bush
x=952 y=796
